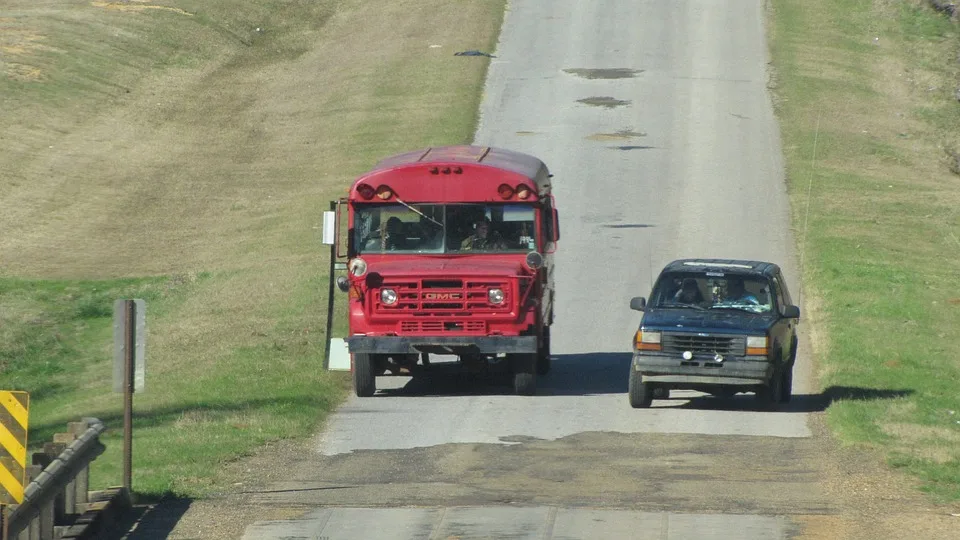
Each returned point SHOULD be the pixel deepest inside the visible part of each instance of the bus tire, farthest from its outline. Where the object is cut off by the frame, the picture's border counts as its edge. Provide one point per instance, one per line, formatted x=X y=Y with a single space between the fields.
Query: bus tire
x=543 y=354
x=364 y=379
x=524 y=375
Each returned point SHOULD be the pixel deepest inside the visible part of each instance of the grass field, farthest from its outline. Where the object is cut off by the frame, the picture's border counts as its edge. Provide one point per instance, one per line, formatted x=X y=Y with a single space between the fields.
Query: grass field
x=865 y=97
x=182 y=152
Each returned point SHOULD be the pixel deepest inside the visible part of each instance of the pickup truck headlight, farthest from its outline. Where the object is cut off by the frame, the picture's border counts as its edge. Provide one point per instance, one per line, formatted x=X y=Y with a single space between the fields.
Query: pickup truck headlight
x=647 y=341
x=495 y=296
x=757 y=345
x=388 y=297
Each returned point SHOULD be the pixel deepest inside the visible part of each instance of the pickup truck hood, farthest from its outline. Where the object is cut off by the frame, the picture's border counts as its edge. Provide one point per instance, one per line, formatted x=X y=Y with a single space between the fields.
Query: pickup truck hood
x=723 y=320
x=447 y=267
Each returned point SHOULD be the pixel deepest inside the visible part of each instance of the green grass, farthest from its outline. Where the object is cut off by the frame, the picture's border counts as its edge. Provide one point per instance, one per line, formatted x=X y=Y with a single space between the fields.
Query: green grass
x=182 y=156
x=880 y=239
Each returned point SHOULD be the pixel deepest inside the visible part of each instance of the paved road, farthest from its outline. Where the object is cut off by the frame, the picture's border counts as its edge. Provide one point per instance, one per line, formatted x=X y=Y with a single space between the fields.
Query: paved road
x=655 y=119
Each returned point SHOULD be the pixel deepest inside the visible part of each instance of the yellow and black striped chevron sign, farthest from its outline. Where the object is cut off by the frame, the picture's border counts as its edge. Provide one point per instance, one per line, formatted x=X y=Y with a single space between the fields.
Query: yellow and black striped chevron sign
x=13 y=445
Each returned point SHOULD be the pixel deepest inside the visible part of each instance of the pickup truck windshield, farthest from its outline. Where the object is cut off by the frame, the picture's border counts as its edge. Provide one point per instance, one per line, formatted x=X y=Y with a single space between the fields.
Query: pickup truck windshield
x=444 y=228
x=714 y=290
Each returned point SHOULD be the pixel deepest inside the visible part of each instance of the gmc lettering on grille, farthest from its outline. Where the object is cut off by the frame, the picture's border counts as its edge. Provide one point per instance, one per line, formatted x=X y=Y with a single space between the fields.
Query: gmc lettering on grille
x=441 y=296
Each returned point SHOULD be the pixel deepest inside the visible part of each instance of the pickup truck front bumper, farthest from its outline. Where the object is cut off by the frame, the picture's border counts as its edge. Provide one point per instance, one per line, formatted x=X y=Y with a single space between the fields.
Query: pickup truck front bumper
x=442 y=344
x=746 y=370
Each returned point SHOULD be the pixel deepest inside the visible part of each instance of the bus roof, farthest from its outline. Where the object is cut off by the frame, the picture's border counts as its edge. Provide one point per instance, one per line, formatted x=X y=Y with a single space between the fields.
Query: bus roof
x=509 y=160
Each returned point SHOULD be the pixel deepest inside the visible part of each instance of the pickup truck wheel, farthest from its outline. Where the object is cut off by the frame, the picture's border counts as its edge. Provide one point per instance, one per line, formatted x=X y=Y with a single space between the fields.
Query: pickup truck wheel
x=543 y=355
x=524 y=377
x=769 y=396
x=640 y=393
x=786 y=388
x=364 y=380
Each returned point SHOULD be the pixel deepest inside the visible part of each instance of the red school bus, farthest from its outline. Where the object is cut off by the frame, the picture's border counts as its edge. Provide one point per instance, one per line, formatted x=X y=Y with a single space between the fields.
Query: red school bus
x=450 y=251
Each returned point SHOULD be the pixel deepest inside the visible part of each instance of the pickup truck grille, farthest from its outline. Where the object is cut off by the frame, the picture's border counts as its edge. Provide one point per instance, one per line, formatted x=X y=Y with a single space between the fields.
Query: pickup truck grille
x=444 y=297
x=675 y=342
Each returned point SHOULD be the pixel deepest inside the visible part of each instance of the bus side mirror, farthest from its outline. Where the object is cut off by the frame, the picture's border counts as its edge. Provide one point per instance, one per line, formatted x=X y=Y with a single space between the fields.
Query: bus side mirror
x=329 y=227
x=556 y=225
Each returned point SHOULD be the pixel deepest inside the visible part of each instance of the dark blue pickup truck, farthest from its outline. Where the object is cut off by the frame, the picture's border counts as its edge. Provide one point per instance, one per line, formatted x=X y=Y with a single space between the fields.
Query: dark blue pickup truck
x=717 y=326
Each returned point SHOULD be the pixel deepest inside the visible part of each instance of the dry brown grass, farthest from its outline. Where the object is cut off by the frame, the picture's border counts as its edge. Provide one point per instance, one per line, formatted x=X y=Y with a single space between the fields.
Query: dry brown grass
x=217 y=165
x=229 y=167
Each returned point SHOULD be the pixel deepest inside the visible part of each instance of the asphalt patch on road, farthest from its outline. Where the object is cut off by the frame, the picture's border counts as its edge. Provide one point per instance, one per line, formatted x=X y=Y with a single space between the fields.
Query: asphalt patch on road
x=604 y=73
x=657 y=472
x=604 y=101
x=622 y=135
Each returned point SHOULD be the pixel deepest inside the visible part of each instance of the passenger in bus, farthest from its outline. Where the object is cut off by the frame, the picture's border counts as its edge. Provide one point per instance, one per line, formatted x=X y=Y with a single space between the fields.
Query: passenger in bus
x=482 y=239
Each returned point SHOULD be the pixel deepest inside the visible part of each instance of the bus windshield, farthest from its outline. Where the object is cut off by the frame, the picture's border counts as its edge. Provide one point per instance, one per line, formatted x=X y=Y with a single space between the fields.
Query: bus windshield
x=444 y=228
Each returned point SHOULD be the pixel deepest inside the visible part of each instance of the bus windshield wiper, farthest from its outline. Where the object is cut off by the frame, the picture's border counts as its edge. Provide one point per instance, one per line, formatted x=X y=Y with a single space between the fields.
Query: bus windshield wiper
x=421 y=214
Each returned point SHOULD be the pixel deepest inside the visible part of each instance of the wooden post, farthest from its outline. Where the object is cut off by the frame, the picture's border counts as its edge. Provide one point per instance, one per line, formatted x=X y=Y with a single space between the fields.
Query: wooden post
x=44 y=521
x=70 y=491
x=82 y=480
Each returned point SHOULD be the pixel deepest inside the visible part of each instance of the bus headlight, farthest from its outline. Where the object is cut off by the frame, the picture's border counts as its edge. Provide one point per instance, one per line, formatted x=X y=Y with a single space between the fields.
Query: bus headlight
x=388 y=297
x=495 y=296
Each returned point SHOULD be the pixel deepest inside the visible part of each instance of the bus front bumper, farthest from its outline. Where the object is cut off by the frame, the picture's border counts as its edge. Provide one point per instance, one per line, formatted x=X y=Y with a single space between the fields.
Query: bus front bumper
x=442 y=345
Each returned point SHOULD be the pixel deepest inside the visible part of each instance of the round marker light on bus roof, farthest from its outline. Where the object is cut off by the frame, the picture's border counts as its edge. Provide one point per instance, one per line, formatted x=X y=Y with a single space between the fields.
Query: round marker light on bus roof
x=357 y=267
x=523 y=191
x=505 y=191
x=384 y=192
x=365 y=191
x=388 y=297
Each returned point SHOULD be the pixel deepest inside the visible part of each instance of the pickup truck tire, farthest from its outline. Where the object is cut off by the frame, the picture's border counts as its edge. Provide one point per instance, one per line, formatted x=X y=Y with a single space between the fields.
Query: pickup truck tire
x=364 y=379
x=786 y=388
x=771 y=395
x=543 y=355
x=524 y=376
x=639 y=392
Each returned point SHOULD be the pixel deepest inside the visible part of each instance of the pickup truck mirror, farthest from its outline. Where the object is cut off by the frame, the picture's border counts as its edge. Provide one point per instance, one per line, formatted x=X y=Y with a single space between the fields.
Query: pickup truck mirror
x=791 y=312
x=639 y=303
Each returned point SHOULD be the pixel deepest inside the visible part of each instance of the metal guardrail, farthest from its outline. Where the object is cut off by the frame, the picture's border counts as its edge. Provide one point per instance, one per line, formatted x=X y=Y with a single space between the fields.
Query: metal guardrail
x=58 y=490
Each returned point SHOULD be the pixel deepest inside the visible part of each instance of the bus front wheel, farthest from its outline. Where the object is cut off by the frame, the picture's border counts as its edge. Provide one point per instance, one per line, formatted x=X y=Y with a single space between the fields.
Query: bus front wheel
x=364 y=379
